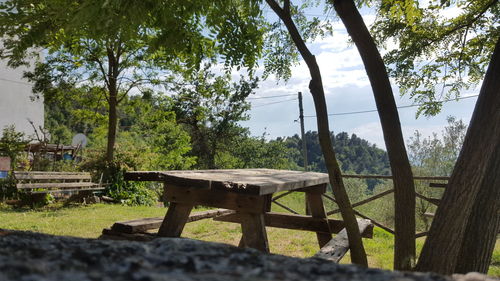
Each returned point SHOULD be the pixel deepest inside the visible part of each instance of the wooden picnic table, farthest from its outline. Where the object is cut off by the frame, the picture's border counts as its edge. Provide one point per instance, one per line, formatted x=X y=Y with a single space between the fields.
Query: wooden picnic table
x=246 y=191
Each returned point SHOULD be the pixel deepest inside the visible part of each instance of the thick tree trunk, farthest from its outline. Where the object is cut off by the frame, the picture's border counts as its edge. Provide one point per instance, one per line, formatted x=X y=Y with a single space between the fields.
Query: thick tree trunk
x=461 y=230
x=358 y=254
x=484 y=222
x=404 y=188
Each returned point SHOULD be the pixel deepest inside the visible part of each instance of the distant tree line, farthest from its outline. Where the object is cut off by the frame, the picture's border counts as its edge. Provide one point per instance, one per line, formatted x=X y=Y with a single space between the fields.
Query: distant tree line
x=355 y=155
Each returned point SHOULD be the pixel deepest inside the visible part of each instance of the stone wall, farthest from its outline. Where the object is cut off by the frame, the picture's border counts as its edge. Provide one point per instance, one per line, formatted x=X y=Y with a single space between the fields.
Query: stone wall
x=32 y=256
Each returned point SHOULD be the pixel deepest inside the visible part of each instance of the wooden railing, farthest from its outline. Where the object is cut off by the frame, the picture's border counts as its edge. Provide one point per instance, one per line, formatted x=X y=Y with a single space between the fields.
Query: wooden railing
x=432 y=184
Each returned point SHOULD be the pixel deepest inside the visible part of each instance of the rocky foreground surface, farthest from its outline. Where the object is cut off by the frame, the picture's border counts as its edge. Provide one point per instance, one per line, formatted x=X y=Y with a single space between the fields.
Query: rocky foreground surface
x=33 y=256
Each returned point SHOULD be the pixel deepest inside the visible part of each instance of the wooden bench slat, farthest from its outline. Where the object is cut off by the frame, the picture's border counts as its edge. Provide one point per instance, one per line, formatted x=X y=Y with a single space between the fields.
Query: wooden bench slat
x=145 y=224
x=49 y=173
x=296 y=222
x=54 y=185
x=67 y=190
x=53 y=177
x=336 y=249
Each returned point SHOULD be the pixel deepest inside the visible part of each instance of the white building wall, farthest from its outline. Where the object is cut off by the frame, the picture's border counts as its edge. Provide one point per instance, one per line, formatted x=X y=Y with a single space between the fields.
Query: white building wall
x=16 y=105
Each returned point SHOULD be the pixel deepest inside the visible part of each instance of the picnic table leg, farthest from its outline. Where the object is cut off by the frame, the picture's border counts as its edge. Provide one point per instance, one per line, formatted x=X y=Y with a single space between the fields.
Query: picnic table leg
x=318 y=211
x=254 y=232
x=242 y=242
x=175 y=219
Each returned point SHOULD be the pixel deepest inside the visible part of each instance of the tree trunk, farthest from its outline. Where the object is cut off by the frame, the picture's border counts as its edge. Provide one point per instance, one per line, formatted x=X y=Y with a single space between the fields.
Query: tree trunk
x=461 y=230
x=112 y=123
x=404 y=188
x=358 y=254
x=112 y=84
x=484 y=222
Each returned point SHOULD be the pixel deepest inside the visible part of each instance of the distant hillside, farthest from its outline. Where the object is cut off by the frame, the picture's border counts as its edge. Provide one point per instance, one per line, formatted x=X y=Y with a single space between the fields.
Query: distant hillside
x=355 y=155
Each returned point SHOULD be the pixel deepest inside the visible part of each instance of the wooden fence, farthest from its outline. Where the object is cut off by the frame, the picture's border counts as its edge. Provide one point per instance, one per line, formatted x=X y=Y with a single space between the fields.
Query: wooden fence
x=432 y=184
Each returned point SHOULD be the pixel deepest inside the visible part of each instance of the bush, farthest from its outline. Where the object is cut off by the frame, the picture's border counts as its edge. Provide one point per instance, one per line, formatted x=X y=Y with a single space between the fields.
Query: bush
x=128 y=193
x=12 y=143
x=8 y=188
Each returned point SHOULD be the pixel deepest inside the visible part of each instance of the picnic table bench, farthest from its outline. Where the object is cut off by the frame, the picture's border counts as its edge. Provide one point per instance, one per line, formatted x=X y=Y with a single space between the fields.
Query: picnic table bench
x=33 y=183
x=248 y=193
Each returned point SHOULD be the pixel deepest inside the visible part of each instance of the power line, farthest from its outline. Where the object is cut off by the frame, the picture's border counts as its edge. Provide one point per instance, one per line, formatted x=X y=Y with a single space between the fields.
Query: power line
x=375 y=110
x=270 y=97
x=260 y=105
x=18 y=82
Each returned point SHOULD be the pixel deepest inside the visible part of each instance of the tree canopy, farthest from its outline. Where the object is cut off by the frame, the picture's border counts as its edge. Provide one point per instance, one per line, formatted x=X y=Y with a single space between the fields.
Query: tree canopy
x=120 y=46
x=441 y=48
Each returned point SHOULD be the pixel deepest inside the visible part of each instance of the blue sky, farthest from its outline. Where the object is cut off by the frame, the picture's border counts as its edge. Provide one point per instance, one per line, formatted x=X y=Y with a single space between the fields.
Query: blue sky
x=347 y=89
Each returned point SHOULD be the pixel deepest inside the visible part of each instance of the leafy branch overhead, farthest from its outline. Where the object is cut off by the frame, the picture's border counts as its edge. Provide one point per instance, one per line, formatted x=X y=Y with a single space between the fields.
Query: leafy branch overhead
x=437 y=54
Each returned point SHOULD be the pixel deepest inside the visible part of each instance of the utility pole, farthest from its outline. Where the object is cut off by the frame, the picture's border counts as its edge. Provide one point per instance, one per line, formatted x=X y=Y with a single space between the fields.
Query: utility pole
x=304 y=145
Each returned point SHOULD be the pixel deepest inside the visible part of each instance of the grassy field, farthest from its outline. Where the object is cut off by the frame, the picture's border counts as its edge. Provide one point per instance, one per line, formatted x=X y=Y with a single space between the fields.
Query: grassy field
x=88 y=221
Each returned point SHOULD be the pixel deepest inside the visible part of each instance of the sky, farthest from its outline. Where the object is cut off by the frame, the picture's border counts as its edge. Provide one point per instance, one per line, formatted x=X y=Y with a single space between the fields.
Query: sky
x=347 y=89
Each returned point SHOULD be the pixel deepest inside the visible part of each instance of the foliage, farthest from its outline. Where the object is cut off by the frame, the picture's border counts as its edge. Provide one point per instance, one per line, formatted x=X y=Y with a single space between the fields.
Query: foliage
x=210 y=108
x=280 y=52
x=12 y=143
x=119 y=47
x=434 y=156
x=436 y=55
x=128 y=193
x=257 y=152
x=354 y=154
x=151 y=118
x=7 y=188
x=70 y=110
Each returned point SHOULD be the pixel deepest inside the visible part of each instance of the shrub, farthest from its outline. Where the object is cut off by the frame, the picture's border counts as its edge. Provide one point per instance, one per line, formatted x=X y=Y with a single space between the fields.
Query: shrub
x=128 y=193
x=8 y=188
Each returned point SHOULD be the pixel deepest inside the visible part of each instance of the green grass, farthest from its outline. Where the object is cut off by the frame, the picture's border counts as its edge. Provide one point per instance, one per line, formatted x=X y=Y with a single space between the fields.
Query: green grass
x=88 y=222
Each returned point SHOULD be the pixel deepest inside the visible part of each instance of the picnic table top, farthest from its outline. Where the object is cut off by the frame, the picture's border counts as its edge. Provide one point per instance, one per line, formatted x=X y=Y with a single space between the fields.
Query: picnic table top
x=248 y=181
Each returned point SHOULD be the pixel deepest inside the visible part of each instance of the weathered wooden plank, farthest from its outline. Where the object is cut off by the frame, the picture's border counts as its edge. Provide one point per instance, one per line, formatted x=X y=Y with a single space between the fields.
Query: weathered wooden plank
x=110 y=234
x=47 y=173
x=337 y=247
x=145 y=224
x=390 y=177
x=218 y=199
x=321 y=188
x=144 y=176
x=429 y=215
x=254 y=231
x=282 y=195
x=290 y=221
x=49 y=185
x=365 y=217
x=175 y=219
x=247 y=181
x=285 y=207
x=434 y=201
x=365 y=201
x=421 y=234
x=67 y=190
x=315 y=203
x=438 y=185
x=84 y=176
x=375 y=222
